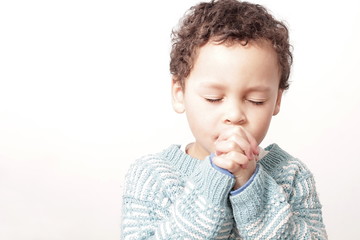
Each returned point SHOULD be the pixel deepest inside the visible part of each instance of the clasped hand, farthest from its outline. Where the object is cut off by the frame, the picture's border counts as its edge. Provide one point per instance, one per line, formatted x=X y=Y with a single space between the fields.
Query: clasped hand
x=237 y=151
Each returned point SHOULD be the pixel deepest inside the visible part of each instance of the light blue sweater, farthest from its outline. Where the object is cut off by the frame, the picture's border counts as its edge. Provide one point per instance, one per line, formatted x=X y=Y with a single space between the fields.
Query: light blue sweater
x=171 y=195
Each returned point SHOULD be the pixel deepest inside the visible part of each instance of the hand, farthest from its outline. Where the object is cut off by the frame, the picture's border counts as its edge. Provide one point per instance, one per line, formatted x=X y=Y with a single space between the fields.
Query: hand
x=237 y=151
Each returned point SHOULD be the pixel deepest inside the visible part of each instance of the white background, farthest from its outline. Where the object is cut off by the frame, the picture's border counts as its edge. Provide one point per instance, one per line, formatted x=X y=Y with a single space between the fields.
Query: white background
x=85 y=90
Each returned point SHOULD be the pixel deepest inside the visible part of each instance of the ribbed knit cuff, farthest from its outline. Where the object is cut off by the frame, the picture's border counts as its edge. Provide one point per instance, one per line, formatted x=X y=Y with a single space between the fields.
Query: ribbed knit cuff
x=250 y=202
x=214 y=185
x=243 y=187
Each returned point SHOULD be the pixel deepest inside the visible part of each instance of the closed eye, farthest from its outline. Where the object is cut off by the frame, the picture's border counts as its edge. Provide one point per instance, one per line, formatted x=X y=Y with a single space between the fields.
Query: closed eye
x=255 y=102
x=213 y=100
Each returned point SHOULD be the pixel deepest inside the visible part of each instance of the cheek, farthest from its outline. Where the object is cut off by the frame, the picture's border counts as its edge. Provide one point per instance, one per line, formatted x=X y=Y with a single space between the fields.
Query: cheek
x=202 y=124
x=259 y=126
x=198 y=112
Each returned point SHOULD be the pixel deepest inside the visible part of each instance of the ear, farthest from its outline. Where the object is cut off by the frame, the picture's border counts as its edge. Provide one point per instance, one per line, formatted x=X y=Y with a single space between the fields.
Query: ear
x=177 y=97
x=278 y=102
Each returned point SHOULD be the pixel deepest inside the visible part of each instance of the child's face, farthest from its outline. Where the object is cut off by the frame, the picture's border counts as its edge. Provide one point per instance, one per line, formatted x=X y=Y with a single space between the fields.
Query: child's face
x=229 y=86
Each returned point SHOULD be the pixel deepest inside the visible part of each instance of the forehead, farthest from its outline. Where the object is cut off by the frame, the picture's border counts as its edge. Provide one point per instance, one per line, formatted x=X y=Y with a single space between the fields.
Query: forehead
x=260 y=51
x=224 y=63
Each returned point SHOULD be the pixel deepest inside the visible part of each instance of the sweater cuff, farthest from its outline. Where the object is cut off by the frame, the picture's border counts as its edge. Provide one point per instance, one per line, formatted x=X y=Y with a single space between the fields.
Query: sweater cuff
x=212 y=184
x=249 y=202
x=242 y=188
x=224 y=171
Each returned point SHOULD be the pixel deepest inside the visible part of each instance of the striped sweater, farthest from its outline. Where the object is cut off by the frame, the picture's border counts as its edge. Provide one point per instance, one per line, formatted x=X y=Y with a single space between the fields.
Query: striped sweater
x=171 y=195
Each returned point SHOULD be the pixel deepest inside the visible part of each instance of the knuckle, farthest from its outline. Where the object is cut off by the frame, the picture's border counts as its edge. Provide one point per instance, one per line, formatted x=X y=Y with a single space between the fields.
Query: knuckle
x=232 y=145
x=232 y=166
x=243 y=160
x=232 y=156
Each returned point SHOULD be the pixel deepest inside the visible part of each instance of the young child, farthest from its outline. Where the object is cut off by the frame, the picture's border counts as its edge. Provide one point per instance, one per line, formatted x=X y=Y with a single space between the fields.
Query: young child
x=230 y=63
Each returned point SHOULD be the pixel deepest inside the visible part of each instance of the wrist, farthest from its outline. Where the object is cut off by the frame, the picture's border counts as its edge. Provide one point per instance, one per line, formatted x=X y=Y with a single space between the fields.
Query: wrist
x=241 y=180
x=239 y=186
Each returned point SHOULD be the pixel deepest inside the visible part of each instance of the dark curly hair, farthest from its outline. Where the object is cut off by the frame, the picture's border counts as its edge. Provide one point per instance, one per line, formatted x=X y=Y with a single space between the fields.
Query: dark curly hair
x=227 y=21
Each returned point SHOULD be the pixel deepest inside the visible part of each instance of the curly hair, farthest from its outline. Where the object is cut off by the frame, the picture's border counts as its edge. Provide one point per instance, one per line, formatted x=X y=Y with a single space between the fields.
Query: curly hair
x=227 y=21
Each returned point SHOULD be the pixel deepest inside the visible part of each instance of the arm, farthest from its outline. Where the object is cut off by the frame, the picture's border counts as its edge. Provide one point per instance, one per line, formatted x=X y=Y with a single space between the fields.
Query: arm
x=264 y=210
x=157 y=206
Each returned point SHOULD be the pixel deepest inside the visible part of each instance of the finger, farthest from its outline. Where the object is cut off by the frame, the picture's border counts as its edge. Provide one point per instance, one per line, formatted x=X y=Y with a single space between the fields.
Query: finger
x=244 y=145
x=224 y=163
x=238 y=135
x=243 y=138
x=253 y=143
x=242 y=132
x=226 y=146
x=232 y=161
x=236 y=157
x=226 y=134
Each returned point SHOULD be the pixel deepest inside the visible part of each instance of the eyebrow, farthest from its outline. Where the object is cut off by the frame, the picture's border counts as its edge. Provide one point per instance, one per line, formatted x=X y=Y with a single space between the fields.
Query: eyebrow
x=215 y=85
x=260 y=88
x=212 y=85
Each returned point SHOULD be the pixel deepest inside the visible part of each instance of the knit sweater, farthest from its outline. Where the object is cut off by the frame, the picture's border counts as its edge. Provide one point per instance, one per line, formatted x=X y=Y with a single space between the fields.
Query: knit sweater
x=171 y=195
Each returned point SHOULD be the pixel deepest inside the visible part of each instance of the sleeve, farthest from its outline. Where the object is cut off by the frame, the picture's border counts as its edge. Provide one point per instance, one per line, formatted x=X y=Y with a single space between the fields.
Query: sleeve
x=224 y=171
x=265 y=211
x=201 y=209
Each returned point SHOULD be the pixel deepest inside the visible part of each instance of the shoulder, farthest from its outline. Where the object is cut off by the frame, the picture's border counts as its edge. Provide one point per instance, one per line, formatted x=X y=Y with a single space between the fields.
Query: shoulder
x=278 y=159
x=151 y=163
x=284 y=168
x=171 y=159
x=154 y=172
x=292 y=175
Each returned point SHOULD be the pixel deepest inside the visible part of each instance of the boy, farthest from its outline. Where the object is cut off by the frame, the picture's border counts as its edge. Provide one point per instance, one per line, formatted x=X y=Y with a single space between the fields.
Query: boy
x=230 y=63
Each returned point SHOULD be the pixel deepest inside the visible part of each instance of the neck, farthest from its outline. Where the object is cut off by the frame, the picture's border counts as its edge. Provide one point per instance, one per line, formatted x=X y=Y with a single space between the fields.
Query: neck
x=196 y=151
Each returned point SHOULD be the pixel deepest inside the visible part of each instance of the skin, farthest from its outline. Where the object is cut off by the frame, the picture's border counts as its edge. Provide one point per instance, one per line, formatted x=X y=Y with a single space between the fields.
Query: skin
x=230 y=96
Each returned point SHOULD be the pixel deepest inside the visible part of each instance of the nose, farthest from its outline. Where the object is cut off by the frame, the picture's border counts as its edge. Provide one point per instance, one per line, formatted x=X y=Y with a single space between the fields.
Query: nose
x=234 y=114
